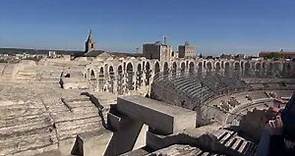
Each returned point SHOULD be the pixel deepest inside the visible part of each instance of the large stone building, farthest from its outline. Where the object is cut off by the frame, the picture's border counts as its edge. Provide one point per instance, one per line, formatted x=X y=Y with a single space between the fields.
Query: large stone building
x=187 y=51
x=157 y=50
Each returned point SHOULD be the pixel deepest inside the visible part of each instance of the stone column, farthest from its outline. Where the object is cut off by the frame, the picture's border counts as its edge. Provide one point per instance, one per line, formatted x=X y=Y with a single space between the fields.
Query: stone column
x=115 y=84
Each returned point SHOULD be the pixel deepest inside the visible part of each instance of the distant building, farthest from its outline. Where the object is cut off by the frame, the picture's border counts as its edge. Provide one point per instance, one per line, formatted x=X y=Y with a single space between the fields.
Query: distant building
x=52 y=54
x=90 y=43
x=226 y=56
x=277 y=54
x=157 y=50
x=187 y=51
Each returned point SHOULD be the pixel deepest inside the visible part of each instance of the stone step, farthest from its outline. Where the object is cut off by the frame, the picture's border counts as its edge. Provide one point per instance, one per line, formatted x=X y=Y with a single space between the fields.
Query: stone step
x=92 y=143
x=23 y=120
x=23 y=128
x=69 y=116
x=70 y=129
x=33 y=140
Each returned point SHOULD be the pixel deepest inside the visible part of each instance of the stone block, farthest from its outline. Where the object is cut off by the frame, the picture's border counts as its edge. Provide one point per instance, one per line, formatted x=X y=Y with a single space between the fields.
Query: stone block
x=160 y=117
x=92 y=143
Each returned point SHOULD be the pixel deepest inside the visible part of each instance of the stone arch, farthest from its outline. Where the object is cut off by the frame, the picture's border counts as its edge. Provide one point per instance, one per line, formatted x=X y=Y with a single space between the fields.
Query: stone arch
x=120 y=80
x=277 y=69
x=263 y=65
x=191 y=67
x=139 y=78
x=157 y=67
x=226 y=69
x=130 y=74
x=148 y=73
x=247 y=69
x=182 y=67
x=174 y=68
x=166 y=68
x=92 y=75
x=237 y=69
x=111 y=78
x=209 y=66
x=217 y=67
x=101 y=80
x=200 y=68
x=242 y=65
x=111 y=72
x=237 y=66
x=288 y=68
x=257 y=66
x=257 y=69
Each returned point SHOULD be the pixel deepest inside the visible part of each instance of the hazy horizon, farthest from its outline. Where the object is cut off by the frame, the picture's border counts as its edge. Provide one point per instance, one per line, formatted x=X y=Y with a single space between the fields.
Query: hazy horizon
x=213 y=26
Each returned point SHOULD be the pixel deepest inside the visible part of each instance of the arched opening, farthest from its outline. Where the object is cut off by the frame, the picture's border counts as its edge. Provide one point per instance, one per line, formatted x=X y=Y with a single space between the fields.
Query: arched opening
x=139 y=80
x=120 y=80
x=191 y=67
x=182 y=67
x=277 y=71
x=93 y=79
x=289 y=70
x=101 y=80
x=147 y=73
x=157 y=69
x=200 y=68
x=174 y=68
x=111 y=80
x=92 y=75
x=237 y=69
x=269 y=69
x=217 y=67
x=247 y=69
x=226 y=69
x=257 y=69
x=166 y=68
x=209 y=67
x=130 y=73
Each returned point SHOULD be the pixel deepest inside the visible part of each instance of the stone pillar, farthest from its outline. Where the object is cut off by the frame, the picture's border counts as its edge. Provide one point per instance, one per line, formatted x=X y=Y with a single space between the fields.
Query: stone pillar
x=134 y=80
x=115 y=84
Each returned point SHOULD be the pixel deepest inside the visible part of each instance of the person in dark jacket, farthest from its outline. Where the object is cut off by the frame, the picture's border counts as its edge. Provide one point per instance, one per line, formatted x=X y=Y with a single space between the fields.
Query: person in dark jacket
x=278 y=130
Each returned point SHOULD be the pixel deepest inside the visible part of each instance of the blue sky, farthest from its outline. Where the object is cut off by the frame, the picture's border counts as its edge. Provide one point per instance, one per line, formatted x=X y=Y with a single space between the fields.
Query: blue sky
x=214 y=26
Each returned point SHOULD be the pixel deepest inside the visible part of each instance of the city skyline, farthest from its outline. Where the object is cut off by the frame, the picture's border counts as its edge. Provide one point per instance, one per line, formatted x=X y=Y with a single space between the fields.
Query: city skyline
x=212 y=26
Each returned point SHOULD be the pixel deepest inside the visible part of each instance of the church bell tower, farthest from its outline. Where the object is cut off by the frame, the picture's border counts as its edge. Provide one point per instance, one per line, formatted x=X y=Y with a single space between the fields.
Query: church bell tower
x=90 y=43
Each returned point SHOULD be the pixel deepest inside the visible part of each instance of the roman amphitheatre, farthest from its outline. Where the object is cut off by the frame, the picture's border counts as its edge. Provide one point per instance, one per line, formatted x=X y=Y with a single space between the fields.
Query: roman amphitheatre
x=112 y=104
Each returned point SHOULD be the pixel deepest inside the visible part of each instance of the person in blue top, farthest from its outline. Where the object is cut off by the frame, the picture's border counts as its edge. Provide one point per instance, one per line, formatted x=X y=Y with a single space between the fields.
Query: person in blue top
x=277 y=130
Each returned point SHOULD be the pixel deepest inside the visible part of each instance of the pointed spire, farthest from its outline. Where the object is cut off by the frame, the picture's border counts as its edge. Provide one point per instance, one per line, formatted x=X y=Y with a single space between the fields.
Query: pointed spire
x=90 y=35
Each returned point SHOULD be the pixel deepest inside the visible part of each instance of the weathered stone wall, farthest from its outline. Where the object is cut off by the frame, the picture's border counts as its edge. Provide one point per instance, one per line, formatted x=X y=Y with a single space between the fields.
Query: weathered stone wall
x=125 y=76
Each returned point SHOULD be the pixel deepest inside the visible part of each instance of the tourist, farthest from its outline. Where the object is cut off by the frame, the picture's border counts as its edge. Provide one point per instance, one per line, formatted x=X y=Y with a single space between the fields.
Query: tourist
x=278 y=131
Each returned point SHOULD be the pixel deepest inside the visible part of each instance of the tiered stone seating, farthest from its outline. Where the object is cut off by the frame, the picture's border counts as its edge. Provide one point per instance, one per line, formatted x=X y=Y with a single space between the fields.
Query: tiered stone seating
x=231 y=140
x=81 y=116
x=25 y=126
